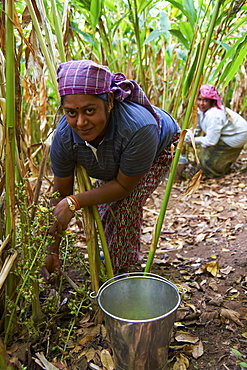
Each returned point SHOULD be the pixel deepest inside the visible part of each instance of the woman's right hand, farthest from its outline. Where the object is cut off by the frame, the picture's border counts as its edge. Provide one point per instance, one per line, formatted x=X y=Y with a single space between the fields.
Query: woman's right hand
x=62 y=216
x=52 y=263
x=52 y=266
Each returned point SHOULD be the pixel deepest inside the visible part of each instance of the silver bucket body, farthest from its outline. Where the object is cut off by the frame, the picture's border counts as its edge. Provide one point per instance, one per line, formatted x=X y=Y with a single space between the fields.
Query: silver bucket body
x=139 y=311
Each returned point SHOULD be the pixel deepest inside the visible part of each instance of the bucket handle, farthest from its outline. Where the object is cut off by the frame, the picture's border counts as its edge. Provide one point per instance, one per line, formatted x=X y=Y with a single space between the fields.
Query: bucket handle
x=96 y=294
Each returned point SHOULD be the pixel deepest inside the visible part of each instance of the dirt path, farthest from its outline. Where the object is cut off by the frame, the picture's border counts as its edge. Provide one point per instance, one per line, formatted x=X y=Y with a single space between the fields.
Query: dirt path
x=207 y=255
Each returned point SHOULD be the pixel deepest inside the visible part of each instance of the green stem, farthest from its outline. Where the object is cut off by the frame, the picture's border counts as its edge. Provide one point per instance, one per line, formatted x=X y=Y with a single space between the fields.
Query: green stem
x=88 y=186
x=20 y=291
x=201 y=64
x=58 y=30
x=10 y=141
x=72 y=324
x=184 y=127
x=43 y=45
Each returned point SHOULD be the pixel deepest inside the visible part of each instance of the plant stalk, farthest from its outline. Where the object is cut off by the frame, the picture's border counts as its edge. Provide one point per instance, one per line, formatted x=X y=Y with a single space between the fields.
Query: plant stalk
x=180 y=144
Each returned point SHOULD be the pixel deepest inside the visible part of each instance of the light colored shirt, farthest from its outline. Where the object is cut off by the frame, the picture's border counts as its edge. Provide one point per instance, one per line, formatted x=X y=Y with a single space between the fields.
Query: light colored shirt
x=231 y=128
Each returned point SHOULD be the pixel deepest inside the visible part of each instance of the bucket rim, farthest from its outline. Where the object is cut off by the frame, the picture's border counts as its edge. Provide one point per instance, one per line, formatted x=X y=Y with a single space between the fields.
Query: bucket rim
x=137 y=275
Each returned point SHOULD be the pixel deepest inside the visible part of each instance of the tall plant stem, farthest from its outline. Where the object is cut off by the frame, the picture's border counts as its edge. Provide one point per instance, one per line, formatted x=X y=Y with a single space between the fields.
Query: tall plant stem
x=91 y=216
x=57 y=24
x=138 y=41
x=20 y=291
x=108 y=264
x=43 y=45
x=10 y=138
x=180 y=144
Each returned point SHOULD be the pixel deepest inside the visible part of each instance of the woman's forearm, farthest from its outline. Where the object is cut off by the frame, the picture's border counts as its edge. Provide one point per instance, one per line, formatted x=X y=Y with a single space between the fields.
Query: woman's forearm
x=109 y=192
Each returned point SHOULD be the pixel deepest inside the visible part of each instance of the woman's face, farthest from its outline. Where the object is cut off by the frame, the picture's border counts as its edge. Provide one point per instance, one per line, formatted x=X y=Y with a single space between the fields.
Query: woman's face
x=87 y=115
x=204 y=103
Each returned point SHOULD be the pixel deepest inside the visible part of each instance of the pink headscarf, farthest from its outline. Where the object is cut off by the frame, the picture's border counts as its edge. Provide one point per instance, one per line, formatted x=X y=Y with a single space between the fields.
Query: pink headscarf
x=87 y=77
x=210 y=92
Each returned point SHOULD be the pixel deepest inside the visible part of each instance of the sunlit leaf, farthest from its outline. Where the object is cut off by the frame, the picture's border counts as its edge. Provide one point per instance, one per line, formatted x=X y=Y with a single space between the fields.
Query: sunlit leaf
x=106 y=360
x=182 y=363
x=236 y=352
x=198 y=350
x=212 y=267
x=182 y=336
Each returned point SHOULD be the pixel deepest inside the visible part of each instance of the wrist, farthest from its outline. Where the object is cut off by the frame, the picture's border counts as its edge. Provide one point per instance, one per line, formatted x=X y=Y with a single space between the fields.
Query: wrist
x=73 y=203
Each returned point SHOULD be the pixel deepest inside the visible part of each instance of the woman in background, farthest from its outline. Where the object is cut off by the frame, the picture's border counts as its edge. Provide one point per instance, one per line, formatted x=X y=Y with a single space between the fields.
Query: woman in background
x=224 y=133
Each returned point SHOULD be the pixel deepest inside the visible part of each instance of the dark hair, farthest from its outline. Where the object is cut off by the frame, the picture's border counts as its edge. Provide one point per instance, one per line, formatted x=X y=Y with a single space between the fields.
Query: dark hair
x=103 y=96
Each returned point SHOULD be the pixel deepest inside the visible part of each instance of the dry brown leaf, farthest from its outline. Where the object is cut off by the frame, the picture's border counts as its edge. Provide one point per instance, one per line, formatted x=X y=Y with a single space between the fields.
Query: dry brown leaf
x=94 y=367
x=147 y=229
x=217 y=300
x=188 y=349
x=198 y=350
x=89 y=353
x=103 y=331
x=182 y=363
x=193 y=185
x=182 y=336
x=106 y=360
x=85 y=339
x=231 y=315
x=200 y=237
x=227 y=270
x=233 y=293
x=207 y=317
x=192 y=306
x=48 y=365
x=244 y=335
x=85 y=320
x=60 y=366
x=213 y=285
x=212 y=267
x=93 y=330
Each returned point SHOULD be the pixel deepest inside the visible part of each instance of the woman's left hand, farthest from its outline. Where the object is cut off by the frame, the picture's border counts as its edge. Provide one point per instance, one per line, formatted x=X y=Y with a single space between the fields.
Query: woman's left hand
x=62 y=215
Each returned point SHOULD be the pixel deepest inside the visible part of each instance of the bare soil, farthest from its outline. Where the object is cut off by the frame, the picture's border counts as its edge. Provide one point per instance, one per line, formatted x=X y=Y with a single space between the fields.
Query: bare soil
x=210 y=263
x=203 y=251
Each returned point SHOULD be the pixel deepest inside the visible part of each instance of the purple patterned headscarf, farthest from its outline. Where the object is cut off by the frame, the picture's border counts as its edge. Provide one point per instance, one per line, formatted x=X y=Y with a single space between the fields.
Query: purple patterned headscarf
x=87 y=77
x=210 y=92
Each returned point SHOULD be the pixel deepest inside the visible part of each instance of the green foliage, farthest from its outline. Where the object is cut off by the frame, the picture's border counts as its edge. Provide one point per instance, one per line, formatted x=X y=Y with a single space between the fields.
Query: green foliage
x=157 y=43
x=239 y=354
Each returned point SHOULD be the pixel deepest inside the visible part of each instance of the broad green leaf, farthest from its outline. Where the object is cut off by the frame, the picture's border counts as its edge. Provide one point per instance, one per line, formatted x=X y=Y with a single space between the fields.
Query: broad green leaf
x=228 y=57
x=183 y=10
x=87 y=36
x=110 y=5
x=142 y=35
x=143 y=4
x=84 y=3
x=95 y=11
x=165 y=25
x=117 y=24
x=236 y=352
x=189 y=6
x=181 y=54
x=243 y=364
x=224 y=45
x=180 y=37
x=154 y=35
x=186 y=30
x=235 y=66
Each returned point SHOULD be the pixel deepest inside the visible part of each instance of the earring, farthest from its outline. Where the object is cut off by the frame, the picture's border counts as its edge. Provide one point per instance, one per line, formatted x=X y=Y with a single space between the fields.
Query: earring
x=110 y=106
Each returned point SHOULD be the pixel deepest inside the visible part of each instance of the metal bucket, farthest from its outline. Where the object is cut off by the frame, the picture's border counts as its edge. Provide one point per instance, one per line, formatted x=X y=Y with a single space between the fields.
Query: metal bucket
x=139 y=312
